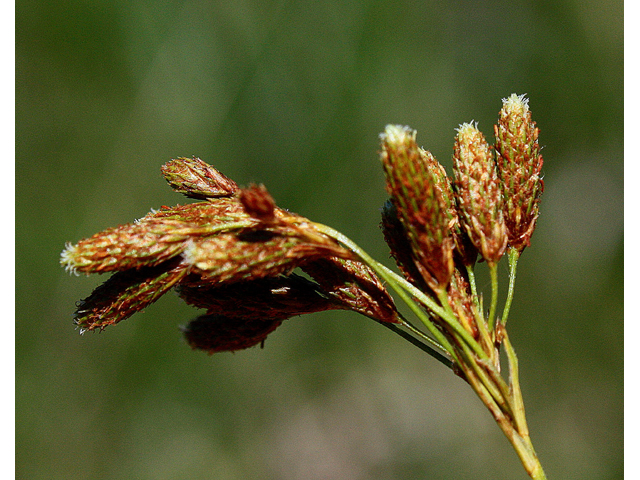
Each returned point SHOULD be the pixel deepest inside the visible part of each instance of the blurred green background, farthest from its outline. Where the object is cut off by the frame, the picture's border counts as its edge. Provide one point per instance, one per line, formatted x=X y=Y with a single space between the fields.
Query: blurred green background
x=294 y=95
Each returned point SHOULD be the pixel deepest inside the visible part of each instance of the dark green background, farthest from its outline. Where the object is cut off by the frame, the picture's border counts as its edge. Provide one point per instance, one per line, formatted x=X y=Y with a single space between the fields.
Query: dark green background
x=294 y=95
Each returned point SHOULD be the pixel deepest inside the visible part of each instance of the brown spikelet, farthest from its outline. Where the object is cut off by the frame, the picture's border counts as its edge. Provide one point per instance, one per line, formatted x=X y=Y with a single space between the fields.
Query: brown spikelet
x=417 y=189
x=252 y=254
x=519 y=166
x=218 y=333
x=155 y=238
x=478 y=193
x=266 y=298
x=196 y=179
x=465 y=251
x=126 y=293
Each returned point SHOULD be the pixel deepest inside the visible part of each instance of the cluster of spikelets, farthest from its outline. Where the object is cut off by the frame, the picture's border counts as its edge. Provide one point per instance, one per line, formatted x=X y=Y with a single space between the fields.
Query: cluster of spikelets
x=232 y=254
x=237 y=255
x=438 y=227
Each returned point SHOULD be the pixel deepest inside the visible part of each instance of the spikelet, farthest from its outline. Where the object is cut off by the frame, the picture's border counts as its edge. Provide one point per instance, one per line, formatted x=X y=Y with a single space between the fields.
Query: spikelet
x=266 y=298
x=218 y=333
x=196 y=179
x=478 y=193
x=155 y=238
x=126 y=293
x=418 y=191
x=519 y=165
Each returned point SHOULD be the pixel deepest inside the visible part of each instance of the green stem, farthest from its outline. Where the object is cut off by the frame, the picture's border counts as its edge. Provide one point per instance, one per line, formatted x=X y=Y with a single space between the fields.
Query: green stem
x=430 y=341
x=516 y=393
x=446 y=314
x=477 y=312
x=393 y=281
x=521 y=440
x=402 y=287
x=527 y=455
x=485 y=337
x=521 y=443
x=513 y=256
x=427 y=348
x=472 y=283
x=397 y=283
x=427 y=301
x=493 y=272
x=499 y=395
x=459 y=330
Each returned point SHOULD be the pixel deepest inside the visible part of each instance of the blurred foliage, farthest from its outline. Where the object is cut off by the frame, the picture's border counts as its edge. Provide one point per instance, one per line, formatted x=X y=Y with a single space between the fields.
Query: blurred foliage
x=293 y=95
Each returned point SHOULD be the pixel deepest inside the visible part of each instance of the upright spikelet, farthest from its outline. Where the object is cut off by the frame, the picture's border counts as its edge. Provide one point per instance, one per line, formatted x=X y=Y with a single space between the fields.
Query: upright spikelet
x=478 y=193
x=418 y=191
x=519 y=166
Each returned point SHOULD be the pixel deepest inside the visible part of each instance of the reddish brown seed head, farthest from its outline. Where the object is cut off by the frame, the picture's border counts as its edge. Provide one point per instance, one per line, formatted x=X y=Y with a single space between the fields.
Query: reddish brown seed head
x=478 y=193
x=519 y=166
x=418 y=189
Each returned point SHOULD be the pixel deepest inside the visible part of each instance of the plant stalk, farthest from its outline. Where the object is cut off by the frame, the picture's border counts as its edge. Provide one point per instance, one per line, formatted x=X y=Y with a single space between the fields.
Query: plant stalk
x=493 y=272
x=513 y=256
x=503 y=400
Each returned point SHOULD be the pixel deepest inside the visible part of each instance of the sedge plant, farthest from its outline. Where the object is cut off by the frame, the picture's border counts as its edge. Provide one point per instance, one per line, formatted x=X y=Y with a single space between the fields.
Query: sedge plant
x=251 y=265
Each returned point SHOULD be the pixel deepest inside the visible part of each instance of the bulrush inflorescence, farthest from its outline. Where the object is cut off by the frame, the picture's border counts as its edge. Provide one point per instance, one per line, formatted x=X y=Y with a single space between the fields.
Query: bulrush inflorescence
x=251 y=265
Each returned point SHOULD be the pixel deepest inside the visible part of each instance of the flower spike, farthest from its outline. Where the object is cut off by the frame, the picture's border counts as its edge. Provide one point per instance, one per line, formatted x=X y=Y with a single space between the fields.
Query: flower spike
x=519 y=165
x=418 y=191
x=196 y=179
x=478 y=193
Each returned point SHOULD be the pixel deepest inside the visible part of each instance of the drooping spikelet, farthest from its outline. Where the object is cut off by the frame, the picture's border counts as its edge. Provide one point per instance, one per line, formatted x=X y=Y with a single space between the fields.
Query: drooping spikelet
x=218 y=333
x=126 y=293
x=155 y=238
x=272 y=298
